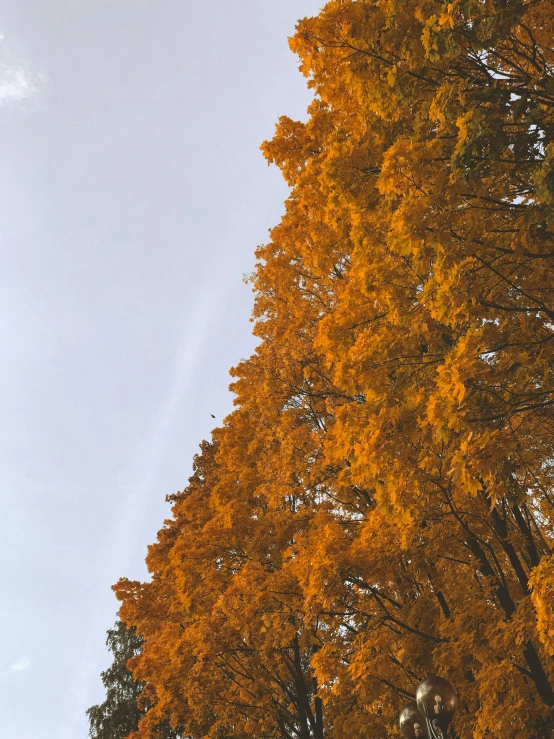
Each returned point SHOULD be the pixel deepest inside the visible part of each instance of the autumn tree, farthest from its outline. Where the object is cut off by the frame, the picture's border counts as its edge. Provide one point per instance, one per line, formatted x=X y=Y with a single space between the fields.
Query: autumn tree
x=225 y=651
x=379 y=506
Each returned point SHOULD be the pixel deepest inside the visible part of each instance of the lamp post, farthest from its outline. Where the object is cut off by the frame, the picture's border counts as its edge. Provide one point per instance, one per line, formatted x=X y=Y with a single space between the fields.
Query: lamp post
x=429 y=716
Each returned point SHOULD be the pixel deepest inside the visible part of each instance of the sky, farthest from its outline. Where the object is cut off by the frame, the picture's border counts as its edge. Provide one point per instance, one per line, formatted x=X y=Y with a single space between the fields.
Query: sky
x=132 y=196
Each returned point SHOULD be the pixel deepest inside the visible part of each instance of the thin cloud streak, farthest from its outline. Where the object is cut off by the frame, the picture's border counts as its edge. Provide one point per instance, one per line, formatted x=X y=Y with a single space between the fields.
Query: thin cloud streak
x=130 y=515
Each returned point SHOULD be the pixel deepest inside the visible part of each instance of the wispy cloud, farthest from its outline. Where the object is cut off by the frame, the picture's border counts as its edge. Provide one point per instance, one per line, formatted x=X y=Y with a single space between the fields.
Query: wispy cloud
x=17 y=81
x=16 y=84
x=23 y=663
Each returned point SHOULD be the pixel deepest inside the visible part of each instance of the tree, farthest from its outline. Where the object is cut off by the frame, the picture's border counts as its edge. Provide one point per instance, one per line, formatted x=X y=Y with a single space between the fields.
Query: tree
x=381 y=497
x=120 y=713
x=225 y=651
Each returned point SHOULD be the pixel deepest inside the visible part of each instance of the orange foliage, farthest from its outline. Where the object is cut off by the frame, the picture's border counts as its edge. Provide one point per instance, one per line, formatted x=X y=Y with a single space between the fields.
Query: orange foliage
x=379 y=506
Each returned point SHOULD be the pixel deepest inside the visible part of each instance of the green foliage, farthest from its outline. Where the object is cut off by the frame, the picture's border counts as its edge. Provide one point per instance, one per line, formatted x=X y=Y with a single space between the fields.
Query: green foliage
x=120 y=713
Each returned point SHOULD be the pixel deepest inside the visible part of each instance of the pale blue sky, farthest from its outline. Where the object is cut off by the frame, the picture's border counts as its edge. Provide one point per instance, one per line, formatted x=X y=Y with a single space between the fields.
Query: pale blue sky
x=132 y=197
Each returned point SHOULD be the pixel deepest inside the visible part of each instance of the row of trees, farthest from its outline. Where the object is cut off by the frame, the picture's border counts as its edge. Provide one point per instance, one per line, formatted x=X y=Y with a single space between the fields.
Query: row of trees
x=380 y=504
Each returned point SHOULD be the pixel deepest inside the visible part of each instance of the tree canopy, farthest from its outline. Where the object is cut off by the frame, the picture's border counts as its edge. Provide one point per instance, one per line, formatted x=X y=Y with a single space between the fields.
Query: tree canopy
x=379 y=506
x=120 y=713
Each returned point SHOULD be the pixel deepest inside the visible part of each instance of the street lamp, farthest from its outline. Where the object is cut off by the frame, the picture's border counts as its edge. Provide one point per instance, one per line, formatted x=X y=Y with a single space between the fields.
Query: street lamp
x=429 y=716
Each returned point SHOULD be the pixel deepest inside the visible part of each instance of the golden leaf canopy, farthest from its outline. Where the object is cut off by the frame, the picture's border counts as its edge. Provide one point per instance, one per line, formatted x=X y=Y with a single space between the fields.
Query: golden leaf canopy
x=379 y=506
